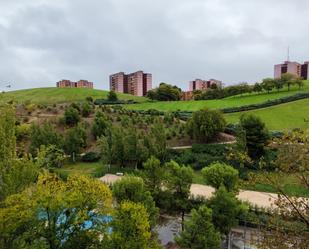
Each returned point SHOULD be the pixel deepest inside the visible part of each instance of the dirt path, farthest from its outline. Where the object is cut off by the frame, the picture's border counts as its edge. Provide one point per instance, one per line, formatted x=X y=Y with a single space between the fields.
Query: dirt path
x=261 y=199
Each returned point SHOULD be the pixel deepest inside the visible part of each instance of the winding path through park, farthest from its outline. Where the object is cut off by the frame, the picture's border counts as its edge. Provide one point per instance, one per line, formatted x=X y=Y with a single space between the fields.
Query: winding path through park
x=260 y=199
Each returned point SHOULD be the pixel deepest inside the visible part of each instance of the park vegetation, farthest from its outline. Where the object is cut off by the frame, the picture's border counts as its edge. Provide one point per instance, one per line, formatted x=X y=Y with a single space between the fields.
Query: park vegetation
x=42 y=208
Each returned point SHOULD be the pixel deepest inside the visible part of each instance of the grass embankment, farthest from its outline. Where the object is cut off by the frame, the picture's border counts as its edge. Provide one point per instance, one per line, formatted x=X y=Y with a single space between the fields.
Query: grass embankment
x=281 y=117
x=53 y=95
x=234 y=101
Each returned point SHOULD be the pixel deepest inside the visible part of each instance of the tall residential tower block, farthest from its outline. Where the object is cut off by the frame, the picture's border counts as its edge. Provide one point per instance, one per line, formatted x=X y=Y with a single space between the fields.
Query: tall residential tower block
x=300 y=70
x=138 y=83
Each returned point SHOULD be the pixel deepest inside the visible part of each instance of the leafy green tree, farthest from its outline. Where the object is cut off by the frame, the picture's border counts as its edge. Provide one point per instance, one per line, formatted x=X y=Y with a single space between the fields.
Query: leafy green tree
x=7 y=136
x=75 y=140
x=158 y=143
x=257 y=88
x=117 y=146
x=131 y=228
x=268 y=84
x=205 y=124
x=15 y=173
x=225 y=210
x=278 y=84
x=112 y=96
x=52 y=156
x=179 y=182
x=288 y=79
x=199 y=232
x=55 y=214
x=299 y=82
x=44 y=134
x=105 y=150
x=154 y=175
x=133 y=189
x=257 y=135
x=165 y=92
x=71 y=116
x=221 y=174
x=100 y=125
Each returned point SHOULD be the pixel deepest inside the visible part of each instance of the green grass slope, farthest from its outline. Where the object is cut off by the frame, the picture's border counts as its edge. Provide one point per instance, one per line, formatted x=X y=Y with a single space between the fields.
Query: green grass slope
x=233 y=101
x=53 y=95
x=281 y=117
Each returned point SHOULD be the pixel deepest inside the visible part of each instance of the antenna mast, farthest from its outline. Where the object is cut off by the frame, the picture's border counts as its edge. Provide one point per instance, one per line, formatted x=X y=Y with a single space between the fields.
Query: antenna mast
x=288 y=53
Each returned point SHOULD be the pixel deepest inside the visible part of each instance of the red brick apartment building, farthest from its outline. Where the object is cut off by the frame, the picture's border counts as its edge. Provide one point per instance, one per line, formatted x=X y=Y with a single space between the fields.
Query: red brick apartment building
x=300 y=70
x=138 y=83
x=199 y=84
x=71 y=84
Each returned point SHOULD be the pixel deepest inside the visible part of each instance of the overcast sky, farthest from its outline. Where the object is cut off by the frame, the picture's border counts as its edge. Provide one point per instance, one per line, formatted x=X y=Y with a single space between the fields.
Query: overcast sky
x=43 y=41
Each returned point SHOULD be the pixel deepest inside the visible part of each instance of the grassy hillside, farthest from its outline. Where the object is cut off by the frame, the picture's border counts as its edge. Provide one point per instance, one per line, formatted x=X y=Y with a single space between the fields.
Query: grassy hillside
x=52 y=95
x=233 y=101
x=282 y=117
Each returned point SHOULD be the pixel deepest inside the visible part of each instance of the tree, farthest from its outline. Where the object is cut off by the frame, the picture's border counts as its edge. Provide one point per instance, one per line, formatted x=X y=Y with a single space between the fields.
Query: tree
x=300 y=82
x=292 y=158
x=278 y=84
x=44 y=134
x=179 y=182
x=75 y=139
x=131 y=228
x=257 y=88
x=100 y=125
x=257 y=135
x=52 y=156
x=15 y=173
x=154 y=175
x=226 y=209
x=288 y=79
x=133 y=189
x=199 y=232
x=7 y=136
x=157 y=141
x=205 y=124
x=112 y=96
x=71 y=116
x=56 y=214
x=165 y=92
x=220 y=174
x=268 y=84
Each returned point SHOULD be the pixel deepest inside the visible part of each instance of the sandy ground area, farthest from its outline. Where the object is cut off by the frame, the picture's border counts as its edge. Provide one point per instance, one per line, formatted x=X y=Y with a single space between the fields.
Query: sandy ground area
x=261 y=199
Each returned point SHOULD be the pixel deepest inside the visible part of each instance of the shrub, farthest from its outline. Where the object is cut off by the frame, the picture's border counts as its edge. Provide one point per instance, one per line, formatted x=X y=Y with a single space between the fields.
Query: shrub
x=91 y=157
x=71 y=116
x=23 y=131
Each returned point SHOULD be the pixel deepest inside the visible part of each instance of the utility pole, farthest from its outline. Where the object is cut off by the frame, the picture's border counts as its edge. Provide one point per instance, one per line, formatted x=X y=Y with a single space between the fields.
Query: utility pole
x=288 y=53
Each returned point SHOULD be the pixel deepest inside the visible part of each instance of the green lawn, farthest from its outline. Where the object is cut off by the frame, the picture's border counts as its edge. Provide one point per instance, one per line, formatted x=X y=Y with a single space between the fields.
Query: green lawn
x=52 y=95
x=96 y=169
x=80 y=168
x=233 y=101
x=281 y=117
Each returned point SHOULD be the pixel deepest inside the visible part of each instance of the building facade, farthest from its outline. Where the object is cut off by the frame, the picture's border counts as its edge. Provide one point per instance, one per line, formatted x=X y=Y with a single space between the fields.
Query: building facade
x=71 y=84
x=199 y=84
x=299 y=70
x=138 y=83
x=187 y=95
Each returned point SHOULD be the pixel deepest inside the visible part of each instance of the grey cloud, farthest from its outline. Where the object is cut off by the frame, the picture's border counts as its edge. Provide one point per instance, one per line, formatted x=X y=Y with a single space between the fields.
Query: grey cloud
x=43 y=41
